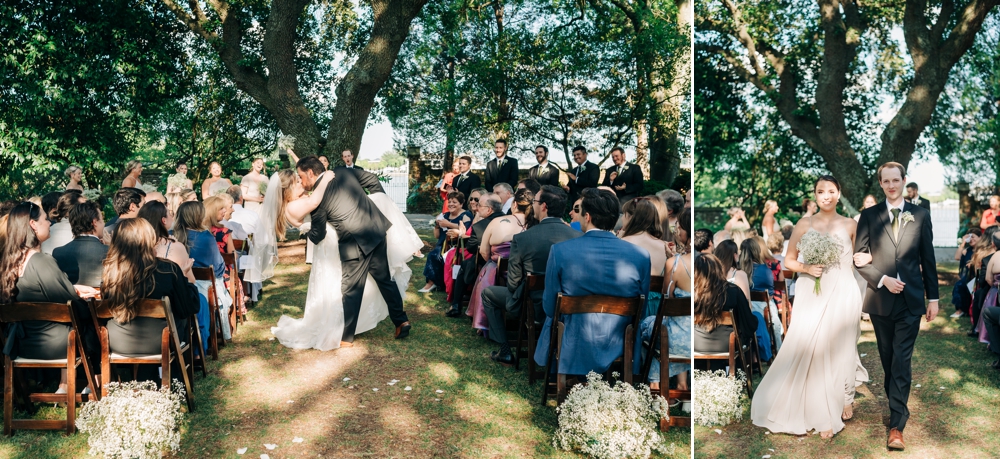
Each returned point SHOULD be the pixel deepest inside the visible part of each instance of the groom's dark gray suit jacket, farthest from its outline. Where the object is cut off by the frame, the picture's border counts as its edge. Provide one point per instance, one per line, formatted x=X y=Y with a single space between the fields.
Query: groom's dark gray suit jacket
x=911 y=258
x=359 y=224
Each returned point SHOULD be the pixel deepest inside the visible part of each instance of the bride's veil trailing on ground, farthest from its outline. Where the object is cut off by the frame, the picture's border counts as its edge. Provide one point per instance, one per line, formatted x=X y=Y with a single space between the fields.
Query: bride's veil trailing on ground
x=264 y=252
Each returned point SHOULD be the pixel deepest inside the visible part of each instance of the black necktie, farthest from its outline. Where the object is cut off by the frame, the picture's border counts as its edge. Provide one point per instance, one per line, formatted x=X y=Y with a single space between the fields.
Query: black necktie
x=577 y=174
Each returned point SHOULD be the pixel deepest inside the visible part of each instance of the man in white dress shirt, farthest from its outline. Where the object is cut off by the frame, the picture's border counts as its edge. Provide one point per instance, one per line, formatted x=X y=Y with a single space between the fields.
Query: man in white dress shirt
x=506 y=194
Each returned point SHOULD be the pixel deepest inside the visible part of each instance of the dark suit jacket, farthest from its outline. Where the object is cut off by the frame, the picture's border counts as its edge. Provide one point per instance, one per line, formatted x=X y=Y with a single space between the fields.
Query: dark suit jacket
x=922 y=202
x=506 y=174
x=529 y=253
x=912 y=258
x=360 y=225
x=589 y=178
x=631 y=177
x=547 y=176
x=357 y=167
x=82 y=260
x=466 y=186
x=468 y=269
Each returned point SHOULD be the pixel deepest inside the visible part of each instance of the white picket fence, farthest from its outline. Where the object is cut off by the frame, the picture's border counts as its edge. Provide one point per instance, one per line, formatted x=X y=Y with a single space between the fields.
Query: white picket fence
x=946 y=220
x=398 y=187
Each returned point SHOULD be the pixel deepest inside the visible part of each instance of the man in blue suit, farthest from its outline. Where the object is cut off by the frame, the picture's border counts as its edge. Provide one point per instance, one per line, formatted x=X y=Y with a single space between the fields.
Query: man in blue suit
x=597 y=263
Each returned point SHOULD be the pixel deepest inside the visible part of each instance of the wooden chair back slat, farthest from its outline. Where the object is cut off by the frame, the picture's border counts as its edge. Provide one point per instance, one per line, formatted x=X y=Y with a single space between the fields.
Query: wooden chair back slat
x=599 y=304
x=52 y=312
x=205 y=274
x=238 y=244
x=756 y=295
x=656 y=284
x=152 y=309
x=676 y=307
x=534 y=282
x=500 y=279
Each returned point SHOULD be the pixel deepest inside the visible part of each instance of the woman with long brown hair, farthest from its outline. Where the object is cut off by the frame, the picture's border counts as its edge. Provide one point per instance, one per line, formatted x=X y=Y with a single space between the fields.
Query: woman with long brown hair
x=713 y=295
x=133 y=272
x=166 y=246
x=28 y=275
x=189 y=230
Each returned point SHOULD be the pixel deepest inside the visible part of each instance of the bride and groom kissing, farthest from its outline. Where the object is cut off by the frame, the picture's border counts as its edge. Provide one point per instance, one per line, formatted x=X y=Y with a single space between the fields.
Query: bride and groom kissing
x=363 y=242
x=811 y=384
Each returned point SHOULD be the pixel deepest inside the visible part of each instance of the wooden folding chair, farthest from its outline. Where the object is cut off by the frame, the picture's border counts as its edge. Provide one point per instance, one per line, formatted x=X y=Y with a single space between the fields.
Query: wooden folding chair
x=735 y=350
x=235 y=290
x=75 y=356
x=500 y=277
x=208 y=274
x=669 y=307
x=603 y=304
x=763 y=297
x=171 y=346
x=528 y=331
x=789 y=300
x=779 y=288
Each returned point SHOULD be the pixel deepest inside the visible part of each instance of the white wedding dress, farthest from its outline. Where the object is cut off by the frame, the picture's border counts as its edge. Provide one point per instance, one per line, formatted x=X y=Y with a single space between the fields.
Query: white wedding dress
x=815 y=373
x=322 y=325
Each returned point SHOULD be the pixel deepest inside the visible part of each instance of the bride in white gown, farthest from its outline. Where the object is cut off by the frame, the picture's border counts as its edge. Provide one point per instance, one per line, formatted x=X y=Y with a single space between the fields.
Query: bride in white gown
x=322 y=326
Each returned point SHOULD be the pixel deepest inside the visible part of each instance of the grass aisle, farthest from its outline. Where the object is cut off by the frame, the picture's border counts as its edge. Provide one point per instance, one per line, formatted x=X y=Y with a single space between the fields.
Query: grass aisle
x=960 y=421
x=261 y=392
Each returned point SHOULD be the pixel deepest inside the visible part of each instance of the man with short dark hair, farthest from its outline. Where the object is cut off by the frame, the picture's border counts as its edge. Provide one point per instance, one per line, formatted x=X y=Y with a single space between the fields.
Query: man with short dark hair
x=531 y=185
x=545 y=173
x=597 y=263
x=585 y=175
x=127 y=202
x=625 y=178
x=348 y=157
x=466 y=181
x=529 y=253
x=83 y=258
x=489 y=209
x=913 y=196
x=501 y=169
x=703 y=242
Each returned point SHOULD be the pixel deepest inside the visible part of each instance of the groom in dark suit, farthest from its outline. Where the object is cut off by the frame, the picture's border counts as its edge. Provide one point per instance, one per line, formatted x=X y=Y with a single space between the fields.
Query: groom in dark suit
x=361 y=229
x=899 y=237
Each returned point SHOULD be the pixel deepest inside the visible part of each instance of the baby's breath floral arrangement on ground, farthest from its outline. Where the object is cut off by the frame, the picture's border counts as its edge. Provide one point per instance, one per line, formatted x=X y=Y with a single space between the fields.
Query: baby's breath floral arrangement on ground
x=820 y=249
x=610 y=422
x=135 y=420
x=718 y=398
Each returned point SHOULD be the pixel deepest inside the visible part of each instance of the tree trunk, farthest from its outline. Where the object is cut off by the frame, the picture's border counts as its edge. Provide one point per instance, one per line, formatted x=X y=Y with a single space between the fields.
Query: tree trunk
x=356 y=92
x=642 y=146
x=664 y=146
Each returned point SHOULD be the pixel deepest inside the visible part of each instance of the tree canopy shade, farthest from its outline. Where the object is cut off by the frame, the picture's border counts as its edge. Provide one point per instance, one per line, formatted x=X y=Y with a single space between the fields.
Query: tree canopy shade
x=826 y=67
x=595 y=73
x=79 y=86
x=269 y=47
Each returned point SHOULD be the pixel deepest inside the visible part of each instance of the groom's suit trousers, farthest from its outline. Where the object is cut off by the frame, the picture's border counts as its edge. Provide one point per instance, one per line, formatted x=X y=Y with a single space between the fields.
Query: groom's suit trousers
x=896 y=335
x=356 y=275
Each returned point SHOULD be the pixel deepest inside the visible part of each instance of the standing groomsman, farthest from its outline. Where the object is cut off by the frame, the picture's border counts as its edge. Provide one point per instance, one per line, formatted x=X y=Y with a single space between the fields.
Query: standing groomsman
x=545 y=173
x=465 y=181
x=501 y=169
x=913 y=196
x=625 y=178
x=348 y=158
x=585 y=175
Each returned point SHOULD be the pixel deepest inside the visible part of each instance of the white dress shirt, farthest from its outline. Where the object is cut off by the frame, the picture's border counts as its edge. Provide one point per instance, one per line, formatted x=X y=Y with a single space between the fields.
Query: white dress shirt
x=506 y=205
x=247 y=219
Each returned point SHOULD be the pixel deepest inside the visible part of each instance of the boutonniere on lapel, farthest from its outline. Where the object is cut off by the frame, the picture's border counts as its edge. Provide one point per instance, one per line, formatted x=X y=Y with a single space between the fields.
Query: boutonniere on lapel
x=624 y=168
x=501 y=162
x=583 y=167
x=916 y=201
x=904 y=218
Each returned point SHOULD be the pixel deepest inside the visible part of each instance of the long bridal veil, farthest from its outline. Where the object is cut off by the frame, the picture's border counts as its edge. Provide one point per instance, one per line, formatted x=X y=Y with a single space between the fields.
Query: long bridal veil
x=264 y=250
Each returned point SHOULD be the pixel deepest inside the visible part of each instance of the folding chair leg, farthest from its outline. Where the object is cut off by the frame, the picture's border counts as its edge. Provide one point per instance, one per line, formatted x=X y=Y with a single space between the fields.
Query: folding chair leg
x=71 y=383
x=8 y=396
x=201 y=348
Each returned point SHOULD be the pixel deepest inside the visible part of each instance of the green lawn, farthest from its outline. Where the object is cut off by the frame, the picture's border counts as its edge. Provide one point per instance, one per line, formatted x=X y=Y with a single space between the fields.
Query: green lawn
x=960 y=421
x=260 y=392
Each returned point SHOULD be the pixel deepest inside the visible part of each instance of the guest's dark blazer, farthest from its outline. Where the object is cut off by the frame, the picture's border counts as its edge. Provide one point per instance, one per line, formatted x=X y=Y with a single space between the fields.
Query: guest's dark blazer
x=597 y=263
x=529 y=254
x=466 y=185
x=82 y=260
x=587 y=178
x=631 y=177
x=922 y=202
x=506 y=174
x=547 y=176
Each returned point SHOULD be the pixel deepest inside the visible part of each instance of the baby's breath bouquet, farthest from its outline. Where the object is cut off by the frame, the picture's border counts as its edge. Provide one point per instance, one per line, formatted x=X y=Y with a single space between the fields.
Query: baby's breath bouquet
x=135 y=420
x=820 y=249
x=717 y=398
x=610 y=422
x=147 y=188
x=92 y=194
x=177 y=180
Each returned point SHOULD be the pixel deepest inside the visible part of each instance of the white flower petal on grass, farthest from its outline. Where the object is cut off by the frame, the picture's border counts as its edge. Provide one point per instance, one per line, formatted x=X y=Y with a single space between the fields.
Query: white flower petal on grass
x=297 y=440
x=270 y=446
x=917 y=386
x=290 y=401
x=767 y=433
x=347 y=379
x=941 y=388
x=271 y=339
x=407 y=388
x=374 y=389
x=771 y=449
x=864 y=355
x=766 y=456
x=441 y=391
x=241 y=451
x=265 y=456
x=718 y=431
x=437 y=400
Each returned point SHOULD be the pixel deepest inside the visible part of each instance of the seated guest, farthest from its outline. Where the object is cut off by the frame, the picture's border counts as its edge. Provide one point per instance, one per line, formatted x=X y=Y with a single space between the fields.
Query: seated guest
x=189 y=231
x=456 y=256
x=676 y=272
x=242 y=218
x=529 y=253
x=673 y=201
x=83 y=259
x=166 y=246
x=529 y=184
x=49 y=202
x=28 y=275
x=574 y=215
x=703 y=241
x=60 y=233
x=762 y=279
x=506 y=194
x=494 y=246
x=216 y=208
x=127 y=202
x=132 y=273
x=775 y=244
x=728 y=254
x=487 y=210
x=713 y=295
x=455 y=217
x=596 y=263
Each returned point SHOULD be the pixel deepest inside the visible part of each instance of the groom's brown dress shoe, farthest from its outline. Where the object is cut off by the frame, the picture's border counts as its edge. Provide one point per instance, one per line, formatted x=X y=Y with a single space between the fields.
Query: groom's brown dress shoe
x=403 y=330
x=896 y=439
